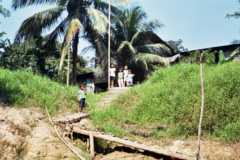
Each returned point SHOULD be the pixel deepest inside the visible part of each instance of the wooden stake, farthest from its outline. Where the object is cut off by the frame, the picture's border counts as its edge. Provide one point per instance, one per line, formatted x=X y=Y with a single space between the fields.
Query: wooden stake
x=198 y=155
x=92 y=150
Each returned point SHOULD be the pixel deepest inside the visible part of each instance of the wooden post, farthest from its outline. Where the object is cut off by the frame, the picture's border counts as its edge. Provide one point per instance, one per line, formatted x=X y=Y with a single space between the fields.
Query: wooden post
x=109 y=42
x=92 y=151
x=198 y=155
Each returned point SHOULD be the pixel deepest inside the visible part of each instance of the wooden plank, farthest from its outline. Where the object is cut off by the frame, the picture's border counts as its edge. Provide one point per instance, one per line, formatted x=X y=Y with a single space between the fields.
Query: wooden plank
x=92 y=151
x=132 y=144
x=69 y=119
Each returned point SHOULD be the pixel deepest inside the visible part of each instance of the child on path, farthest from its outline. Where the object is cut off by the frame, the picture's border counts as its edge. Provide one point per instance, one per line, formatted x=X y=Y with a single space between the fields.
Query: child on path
x=81 y=97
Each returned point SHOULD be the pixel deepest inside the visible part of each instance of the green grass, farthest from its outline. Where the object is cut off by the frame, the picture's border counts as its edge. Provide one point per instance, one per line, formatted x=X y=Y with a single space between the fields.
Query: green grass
x=24 y=89
x=171 y=97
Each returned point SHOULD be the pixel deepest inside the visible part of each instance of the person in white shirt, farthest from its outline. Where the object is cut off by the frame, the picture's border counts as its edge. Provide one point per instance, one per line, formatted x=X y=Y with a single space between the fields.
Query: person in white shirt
x=120 y=78
x=90 y=86
x=112 y=73
x=130 y=78
x=125 y=75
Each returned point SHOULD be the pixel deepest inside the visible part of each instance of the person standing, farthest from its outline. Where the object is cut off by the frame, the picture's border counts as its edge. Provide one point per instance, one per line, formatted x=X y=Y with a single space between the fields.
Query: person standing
x=125 y=75
x=120 y=78
x=112 y=73
x=81 y=97
x=130 y=78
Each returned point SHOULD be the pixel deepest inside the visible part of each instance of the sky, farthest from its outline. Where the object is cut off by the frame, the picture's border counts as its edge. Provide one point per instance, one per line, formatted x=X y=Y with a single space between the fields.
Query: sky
x=199 y=23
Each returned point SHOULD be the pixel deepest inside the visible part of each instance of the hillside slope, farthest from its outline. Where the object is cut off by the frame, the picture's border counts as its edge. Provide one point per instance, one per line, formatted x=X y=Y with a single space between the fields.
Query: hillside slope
x=168 y=104
x=24 y=89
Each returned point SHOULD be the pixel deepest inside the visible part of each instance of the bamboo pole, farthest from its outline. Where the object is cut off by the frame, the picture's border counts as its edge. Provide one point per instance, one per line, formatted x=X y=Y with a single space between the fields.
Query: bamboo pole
x=65 y=142
x=109 y=41
x=68 y=66
x=198 y=155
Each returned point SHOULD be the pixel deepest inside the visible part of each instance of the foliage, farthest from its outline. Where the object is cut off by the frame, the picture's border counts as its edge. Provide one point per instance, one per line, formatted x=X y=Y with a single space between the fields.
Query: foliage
x=90 y=15
x=24 y=89
x=3 y=11
x=209 y=57
x=171 y=97
x=177 y=45
x=33 y=55
x=135 y=42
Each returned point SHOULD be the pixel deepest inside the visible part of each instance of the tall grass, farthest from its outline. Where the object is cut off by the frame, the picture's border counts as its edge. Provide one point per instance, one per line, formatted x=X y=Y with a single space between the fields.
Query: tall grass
x=24 y=89
x=171 y=97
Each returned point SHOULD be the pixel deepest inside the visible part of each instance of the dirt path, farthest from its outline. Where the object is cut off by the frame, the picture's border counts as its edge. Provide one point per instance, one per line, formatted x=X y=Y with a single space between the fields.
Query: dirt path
x=110 y=96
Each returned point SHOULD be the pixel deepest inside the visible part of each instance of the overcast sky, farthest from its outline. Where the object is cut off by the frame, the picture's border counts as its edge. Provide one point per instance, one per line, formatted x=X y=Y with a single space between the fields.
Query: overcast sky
x=199 y=23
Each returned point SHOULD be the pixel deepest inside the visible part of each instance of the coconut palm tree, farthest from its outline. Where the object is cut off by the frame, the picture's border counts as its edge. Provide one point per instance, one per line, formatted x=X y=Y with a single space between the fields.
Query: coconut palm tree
x=137 y=45
x=85 y=15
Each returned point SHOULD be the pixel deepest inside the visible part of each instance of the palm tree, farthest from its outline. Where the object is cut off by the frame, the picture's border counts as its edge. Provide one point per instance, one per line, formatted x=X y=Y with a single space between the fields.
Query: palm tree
x=137 y=45
x=88 y=15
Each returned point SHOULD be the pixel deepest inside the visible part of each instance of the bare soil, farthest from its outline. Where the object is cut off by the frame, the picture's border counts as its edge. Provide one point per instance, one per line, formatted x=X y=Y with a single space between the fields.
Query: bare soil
x=25 y=134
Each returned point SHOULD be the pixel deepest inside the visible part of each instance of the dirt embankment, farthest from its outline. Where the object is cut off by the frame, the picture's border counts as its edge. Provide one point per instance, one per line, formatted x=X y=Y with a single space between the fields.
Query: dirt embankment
x=25 y=134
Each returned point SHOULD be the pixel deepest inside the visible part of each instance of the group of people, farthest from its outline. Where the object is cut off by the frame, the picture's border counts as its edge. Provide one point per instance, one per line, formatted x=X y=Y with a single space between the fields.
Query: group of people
x=123 y=76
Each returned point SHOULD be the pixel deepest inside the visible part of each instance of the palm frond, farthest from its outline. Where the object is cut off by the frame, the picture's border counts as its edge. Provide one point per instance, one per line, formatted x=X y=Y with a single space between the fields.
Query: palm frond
x=149 y=37
x=62 y=2
x=152 y=59
x=157 y=48
x=134 y=38
x=73 y=28
x=23 y=3
x=152 y=25
x=4 y=11
x=35 y=24
x=102 y=5
x=233 y=54
x=156 y=59
x=59 y=30
x=128 y=45
x=87 y=49
x=98 y=20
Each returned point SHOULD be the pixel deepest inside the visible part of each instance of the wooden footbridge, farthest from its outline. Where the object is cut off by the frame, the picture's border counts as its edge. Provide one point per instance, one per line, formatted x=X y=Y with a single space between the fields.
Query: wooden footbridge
x=73 y=128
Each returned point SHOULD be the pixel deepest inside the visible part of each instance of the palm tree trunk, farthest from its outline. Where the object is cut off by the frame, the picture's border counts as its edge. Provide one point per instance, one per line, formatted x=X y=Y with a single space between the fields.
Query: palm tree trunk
x=74 y=57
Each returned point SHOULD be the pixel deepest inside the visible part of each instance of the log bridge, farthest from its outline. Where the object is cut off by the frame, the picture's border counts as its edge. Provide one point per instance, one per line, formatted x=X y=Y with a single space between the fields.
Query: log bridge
x=70 y=120
x=127 y=143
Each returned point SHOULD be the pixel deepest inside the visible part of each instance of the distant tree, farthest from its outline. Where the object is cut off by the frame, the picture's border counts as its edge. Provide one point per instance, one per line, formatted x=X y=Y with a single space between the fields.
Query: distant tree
x=33 y=54
x=177 y=45
x=135 y=43
x=236 y=41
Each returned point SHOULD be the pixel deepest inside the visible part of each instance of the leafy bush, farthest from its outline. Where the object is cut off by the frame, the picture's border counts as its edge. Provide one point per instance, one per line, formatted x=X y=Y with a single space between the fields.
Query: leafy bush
x=22 y=88
x=172 y=97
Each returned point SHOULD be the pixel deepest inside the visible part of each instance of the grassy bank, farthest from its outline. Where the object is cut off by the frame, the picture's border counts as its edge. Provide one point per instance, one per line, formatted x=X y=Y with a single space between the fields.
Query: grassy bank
x=24 y=89
x=171 y=98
